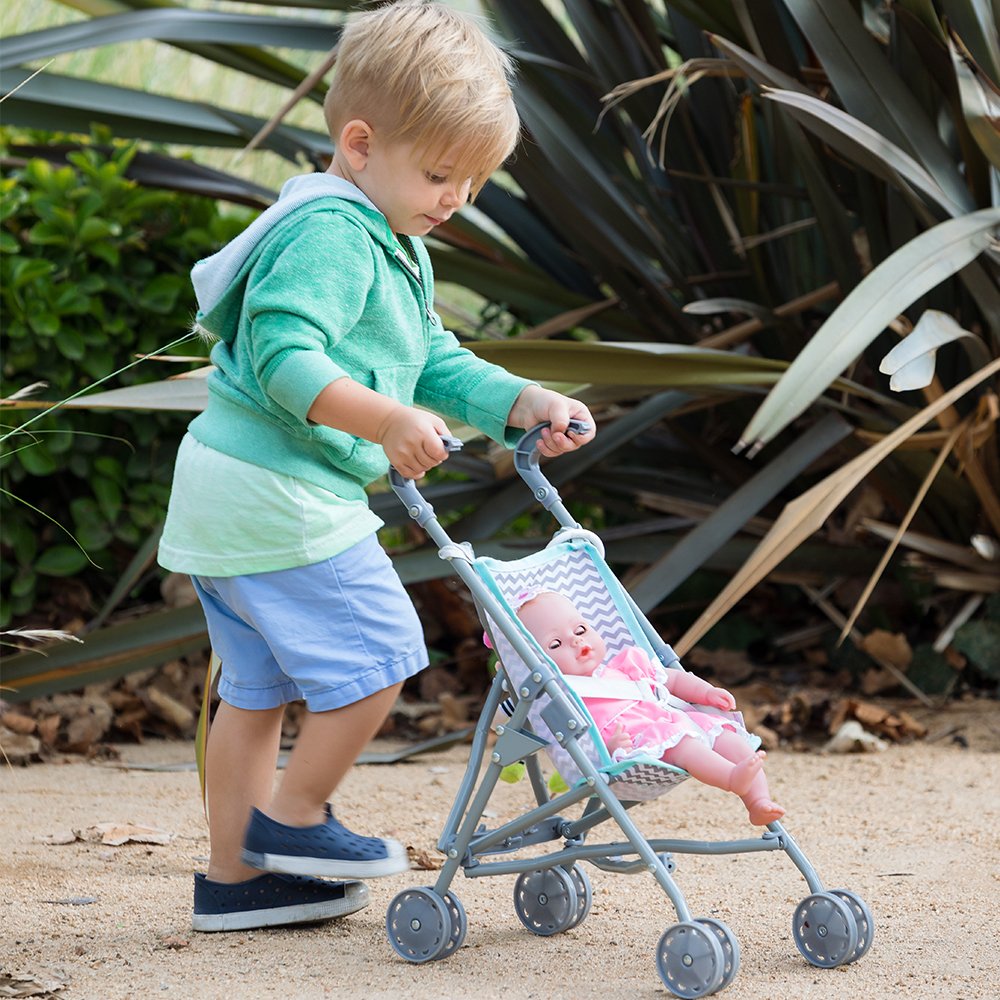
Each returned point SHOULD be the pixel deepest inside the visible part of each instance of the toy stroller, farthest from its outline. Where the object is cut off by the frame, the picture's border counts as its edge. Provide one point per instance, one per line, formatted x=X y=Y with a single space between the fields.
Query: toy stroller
x=695 y=956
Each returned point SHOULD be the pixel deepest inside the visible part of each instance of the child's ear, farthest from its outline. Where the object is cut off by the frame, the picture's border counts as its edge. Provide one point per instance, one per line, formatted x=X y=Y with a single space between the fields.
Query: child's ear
x=355 y=143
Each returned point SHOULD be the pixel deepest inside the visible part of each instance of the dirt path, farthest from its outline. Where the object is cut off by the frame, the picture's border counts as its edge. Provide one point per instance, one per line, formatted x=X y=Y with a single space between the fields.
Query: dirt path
x=913 y=830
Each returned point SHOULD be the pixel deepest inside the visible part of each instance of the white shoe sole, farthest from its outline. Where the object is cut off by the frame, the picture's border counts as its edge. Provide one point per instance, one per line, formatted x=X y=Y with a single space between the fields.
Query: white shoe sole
x=355 y=898
x=288 y=864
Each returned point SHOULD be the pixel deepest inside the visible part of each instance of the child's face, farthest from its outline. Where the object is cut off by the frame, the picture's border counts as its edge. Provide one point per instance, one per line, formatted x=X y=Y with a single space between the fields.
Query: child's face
x=570 y=641
x=414 y=196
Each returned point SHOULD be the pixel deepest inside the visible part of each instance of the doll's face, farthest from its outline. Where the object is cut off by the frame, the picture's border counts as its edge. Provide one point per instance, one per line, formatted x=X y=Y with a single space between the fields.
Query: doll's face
x=570 y=641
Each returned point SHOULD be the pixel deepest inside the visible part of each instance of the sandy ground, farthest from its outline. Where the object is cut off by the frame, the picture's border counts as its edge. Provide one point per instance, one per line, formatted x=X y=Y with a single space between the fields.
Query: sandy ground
x=913 y=830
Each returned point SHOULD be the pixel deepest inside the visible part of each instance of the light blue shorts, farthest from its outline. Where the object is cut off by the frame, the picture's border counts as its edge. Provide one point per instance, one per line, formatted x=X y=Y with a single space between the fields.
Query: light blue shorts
x=331 y=633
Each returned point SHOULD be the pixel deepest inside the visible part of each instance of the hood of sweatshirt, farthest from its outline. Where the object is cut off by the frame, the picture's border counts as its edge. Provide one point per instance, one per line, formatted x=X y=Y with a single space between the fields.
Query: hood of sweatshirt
x=218 y=280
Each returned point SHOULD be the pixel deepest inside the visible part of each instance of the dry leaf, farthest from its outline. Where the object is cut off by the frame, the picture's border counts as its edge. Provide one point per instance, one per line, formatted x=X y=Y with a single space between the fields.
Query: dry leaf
x=728 y=666
x=423 y=859
x=454 y=711
x=875 y=681
x=18 y=723
x=955 y=659
x=896 y=726
x=89 y=723
x=891 y=647
x=170 y=709
x=18 y=748
x=430 y=725
x=24 y=984
x=116 y=834
x=48 y=729
x=909 y=725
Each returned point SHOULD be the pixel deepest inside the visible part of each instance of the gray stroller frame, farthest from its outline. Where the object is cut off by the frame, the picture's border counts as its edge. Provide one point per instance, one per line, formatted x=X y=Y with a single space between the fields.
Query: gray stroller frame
x=695 y=957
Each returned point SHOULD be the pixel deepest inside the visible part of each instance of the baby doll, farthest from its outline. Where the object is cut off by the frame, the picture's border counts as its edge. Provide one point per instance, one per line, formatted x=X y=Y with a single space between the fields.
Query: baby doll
x=715 y=749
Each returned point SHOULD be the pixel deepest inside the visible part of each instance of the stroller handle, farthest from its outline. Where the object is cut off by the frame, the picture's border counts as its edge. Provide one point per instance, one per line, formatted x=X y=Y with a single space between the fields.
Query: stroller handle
x=419 y=509
x=526 y=462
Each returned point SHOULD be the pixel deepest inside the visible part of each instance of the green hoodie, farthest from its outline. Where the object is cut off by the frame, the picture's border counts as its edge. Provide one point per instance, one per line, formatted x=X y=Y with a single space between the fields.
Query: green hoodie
x=327 y=292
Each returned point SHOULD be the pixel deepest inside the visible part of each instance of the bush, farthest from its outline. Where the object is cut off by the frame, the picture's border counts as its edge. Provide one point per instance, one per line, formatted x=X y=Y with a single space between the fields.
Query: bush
x=93 y=271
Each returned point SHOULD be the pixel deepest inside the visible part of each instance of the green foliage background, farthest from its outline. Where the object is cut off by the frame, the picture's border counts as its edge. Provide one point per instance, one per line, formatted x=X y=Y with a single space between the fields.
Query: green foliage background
x=93 y=271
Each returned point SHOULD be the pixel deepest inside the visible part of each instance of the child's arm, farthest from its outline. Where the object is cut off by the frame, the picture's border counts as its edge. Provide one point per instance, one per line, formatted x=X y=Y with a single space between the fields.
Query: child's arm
x=460 y=385
x=697 y=691
x=411 y=438
x=536 y=405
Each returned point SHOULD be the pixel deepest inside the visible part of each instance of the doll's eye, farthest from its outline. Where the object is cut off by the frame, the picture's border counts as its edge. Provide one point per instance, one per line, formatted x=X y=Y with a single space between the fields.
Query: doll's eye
x=580 y=630
x=554 y=644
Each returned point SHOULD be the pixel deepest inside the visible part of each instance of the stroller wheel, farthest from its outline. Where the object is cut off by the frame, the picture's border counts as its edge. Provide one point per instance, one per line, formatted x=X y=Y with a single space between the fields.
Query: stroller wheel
x=584 y=895
x=545 y=901
x=419 y=925
x=690 y=960
x=730 y=949
x=825 y=931
x=459 y=924
x=863 y=919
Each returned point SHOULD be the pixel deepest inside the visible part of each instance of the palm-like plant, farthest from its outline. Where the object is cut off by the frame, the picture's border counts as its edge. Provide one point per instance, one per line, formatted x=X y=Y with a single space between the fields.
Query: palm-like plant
x=711 y=198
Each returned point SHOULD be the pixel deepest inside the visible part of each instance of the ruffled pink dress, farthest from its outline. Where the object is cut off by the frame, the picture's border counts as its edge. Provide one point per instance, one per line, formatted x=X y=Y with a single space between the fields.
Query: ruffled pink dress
x=655 y=727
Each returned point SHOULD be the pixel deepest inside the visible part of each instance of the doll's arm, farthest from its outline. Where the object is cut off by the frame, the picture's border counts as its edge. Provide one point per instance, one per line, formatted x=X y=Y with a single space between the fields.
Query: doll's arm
x=697 y=691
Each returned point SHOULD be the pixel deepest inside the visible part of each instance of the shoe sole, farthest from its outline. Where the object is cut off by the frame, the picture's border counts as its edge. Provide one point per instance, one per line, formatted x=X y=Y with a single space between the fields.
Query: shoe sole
x=290 y=864
x=356 y=899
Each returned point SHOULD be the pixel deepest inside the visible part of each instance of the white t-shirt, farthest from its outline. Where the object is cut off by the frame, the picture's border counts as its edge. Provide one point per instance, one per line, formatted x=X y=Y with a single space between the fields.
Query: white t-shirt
x=229 y=518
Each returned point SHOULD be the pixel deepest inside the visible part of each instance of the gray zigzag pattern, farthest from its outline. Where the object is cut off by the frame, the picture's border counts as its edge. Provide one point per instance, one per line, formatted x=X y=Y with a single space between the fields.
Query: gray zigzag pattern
x=574 y=575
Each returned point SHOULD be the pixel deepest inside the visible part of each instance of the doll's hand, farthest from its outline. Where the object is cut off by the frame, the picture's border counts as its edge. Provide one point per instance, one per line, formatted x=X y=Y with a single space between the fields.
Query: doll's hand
x=619 y=739
x=411 y=440
x=536 y=405
x=717 y=697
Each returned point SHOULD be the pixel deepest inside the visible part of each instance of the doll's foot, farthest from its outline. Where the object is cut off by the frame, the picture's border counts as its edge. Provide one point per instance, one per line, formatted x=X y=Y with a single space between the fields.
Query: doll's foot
x=763 y=811
x=743 y=773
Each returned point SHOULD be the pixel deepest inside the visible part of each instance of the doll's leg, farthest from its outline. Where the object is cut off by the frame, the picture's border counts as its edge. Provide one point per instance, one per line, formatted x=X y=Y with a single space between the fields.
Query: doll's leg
x=703 y=763
x=757 y=798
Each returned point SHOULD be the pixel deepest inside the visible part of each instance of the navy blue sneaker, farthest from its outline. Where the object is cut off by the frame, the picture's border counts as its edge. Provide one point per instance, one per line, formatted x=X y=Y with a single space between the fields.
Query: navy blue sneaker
x=272 y=901
x=328 y=849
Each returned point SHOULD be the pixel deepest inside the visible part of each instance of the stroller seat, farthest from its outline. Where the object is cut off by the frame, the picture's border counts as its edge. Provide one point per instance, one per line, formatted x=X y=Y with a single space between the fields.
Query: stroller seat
x=552 y=893
x=573 y=565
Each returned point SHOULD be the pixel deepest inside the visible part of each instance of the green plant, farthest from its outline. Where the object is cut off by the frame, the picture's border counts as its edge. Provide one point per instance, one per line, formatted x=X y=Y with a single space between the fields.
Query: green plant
x=818 y=152
x=93 y=271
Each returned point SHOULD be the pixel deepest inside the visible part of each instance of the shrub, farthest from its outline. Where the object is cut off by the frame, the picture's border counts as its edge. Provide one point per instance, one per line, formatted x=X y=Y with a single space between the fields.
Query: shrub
x=93 y=271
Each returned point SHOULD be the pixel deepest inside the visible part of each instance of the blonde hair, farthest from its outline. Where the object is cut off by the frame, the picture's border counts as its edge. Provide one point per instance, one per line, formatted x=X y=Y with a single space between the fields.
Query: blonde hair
x=423 y=73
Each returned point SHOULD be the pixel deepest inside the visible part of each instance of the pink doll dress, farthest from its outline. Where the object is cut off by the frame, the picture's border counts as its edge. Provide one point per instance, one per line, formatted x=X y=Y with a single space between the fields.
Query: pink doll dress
x=654 y=726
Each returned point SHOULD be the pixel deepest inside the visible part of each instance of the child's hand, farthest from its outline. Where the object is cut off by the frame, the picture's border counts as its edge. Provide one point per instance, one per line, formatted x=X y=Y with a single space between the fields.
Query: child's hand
x=717 y=697
x=619 y=739
x=411 y=439
x=536 y=405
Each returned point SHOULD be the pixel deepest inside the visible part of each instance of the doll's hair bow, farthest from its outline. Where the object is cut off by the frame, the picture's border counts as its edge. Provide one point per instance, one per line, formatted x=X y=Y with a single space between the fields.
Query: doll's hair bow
x=517 y=602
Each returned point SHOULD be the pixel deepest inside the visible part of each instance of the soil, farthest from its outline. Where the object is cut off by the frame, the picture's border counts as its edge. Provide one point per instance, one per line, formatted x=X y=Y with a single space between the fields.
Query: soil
x=913 y=830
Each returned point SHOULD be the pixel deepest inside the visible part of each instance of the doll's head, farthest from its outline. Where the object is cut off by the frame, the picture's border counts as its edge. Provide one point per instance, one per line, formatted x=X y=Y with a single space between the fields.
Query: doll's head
x=569 y=640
